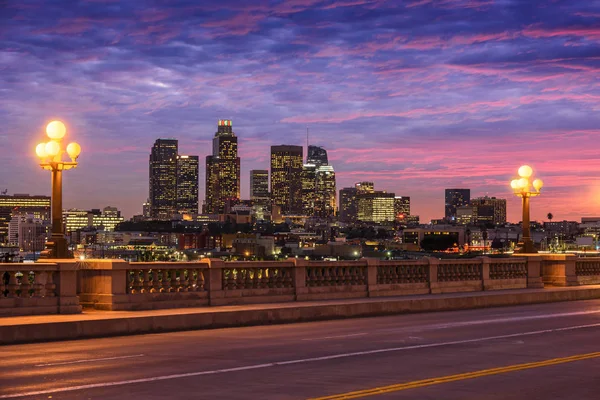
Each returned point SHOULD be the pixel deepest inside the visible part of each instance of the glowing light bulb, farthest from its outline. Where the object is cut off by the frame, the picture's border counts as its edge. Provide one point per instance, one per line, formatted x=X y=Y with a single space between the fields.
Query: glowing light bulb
x=56 y=130
x=525 y=171
x=52 y=148
x=73 y=150
x=40 y=150
x=538 y=184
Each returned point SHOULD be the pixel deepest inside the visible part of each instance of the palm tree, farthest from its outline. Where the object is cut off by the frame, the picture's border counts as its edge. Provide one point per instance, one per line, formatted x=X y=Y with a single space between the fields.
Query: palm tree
x=550 y=216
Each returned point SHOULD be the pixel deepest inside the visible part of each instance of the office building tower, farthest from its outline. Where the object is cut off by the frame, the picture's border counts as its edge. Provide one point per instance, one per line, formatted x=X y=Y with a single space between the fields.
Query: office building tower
x=455 y=198
x=259 y=187
x=187 y=184
x=309 y=189
x=316 y=156
x=402 y=208
x=348 y=206
x=286 y=178
x=490 y=210
x=18 y=204
x=325 y=191
x=106 y=219
x=376 y=207
x=365 y=187
x=222 y=171
x=163 y=179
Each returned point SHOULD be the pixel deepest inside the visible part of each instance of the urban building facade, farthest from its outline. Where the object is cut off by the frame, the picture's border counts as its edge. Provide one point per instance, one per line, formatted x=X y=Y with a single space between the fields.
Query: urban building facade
x=490 y=210
x=259 y=187
x=22 y=204
x=286 y=178
x=325 y=192
x=28 y=233
x=309 y=188
x=376 y=207
x=222 y=171
x=187 y=184
x=402 y=208
x=365 y=187
x=455 y=198
x=348 y=205
x=163 y=179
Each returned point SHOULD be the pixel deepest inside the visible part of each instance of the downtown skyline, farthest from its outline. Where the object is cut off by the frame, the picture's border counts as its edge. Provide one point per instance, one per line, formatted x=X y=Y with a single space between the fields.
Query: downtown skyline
x=417 y=97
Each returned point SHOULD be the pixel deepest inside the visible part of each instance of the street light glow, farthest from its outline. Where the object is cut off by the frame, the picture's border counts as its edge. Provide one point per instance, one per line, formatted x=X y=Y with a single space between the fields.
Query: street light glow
x=40 y=150
x=73 y=150
x=525 y=171
x=52 y=148
x=56 y=130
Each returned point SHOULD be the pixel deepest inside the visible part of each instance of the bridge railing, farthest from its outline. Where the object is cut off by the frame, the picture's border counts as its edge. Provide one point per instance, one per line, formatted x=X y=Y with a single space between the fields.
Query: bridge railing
x=40 y=288
x=61 y=287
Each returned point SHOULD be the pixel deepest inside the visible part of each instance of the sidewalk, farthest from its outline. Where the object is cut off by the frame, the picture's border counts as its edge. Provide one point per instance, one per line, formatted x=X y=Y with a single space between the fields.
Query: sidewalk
x=92 y=324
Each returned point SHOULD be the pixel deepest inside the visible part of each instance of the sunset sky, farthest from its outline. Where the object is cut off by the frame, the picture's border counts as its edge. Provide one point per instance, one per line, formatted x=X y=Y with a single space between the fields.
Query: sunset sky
x=416 y=96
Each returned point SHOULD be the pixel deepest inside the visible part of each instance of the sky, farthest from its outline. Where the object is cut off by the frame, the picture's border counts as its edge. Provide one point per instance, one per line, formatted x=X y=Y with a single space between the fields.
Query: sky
x=417 y=96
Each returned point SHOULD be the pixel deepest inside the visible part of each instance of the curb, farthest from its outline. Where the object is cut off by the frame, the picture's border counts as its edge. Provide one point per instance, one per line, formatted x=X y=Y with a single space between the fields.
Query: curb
x=283 y=314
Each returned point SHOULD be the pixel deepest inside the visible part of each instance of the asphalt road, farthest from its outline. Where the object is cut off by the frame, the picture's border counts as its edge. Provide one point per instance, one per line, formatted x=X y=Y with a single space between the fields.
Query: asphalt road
x=549 y=351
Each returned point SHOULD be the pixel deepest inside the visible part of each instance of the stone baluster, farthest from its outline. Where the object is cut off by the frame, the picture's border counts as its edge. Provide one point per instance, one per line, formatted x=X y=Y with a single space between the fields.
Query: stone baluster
x=155 y=282
x=25 y=285
x=13 y=284
x=147 y=283
x=2 y=284
x=50 y=285
x=184 y=280
x=175 y=282
x=165 y=280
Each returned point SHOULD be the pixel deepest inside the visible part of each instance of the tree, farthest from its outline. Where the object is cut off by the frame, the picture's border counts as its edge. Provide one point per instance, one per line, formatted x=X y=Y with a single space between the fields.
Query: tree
x=550 y=216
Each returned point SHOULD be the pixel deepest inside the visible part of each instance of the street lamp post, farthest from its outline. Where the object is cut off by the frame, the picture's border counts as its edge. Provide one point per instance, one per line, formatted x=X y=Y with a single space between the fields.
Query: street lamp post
x=522 y=188
x=50 y=155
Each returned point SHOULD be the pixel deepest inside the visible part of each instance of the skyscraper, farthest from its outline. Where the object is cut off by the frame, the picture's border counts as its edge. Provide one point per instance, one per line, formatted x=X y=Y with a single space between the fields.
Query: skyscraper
x=163 y=178
x=259 y=187
x=365 y=187
x=325 y=189
x=455 y=198
x=401 y=208
x=348 y=207
x=309 y=188
x=187 y=184
x=222 y=170
x=286 y=178
x=316 y=156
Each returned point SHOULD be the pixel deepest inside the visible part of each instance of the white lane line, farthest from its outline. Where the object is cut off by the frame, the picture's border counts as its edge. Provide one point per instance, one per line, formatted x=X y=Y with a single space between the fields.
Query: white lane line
x=487 y=321
x=299 y=361
x=89 y=360
x=336 y=337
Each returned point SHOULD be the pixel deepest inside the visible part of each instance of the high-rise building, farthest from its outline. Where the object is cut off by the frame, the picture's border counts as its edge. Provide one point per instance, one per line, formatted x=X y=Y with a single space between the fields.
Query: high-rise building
x=286 y=178
x=348 y=206
x=325 y=190
x=455 y=198
x=259 y=187
x=376 y=207
x=222 y=171
x=309 y=189
x=365 y=187
x=316 y=156
x=36 y=206
x=490 y=210
x=163 y=179
x=187 y=184
x=402 y=208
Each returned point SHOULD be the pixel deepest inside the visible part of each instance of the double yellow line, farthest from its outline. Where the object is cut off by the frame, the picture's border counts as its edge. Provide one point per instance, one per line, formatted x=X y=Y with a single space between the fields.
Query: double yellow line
x=458 y=377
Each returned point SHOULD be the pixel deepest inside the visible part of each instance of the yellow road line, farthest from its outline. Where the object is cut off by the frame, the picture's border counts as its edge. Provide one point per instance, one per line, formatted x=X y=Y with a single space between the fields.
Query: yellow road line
x=458 y=377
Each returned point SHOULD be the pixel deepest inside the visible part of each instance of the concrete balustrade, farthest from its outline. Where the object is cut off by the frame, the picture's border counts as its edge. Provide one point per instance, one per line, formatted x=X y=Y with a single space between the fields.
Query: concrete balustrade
x=42 y=288
x=60 y=287
x=587 y=271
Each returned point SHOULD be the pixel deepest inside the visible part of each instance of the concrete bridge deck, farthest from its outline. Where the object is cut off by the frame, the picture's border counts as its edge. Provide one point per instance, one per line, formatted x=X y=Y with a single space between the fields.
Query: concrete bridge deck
x=527 y=352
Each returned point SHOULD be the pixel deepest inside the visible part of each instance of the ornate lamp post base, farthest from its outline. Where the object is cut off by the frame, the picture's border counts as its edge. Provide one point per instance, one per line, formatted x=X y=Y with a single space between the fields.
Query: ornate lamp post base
x=56 y=248
x=525 y=246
